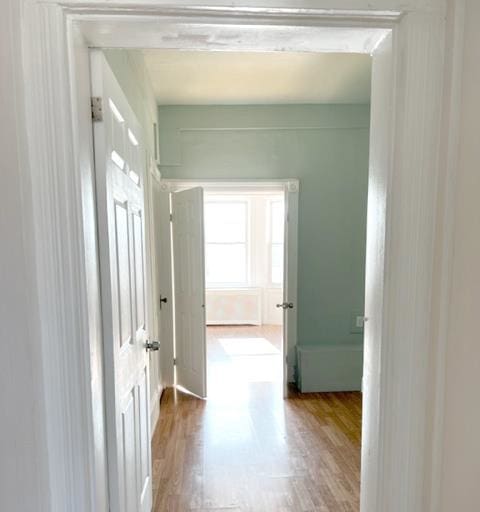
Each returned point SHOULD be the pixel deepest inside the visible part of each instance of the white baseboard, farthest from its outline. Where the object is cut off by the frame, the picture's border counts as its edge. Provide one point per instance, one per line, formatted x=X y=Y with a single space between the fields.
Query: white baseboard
x=155 y=409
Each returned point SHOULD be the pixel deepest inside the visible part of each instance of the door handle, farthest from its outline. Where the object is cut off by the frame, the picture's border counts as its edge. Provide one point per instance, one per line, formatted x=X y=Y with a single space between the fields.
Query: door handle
x=163 y=300
x=285 y=305
x=152 y=346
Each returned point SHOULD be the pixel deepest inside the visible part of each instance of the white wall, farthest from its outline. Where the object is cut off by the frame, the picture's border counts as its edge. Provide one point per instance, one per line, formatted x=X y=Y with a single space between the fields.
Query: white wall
x=460 y=488
x=24 y=484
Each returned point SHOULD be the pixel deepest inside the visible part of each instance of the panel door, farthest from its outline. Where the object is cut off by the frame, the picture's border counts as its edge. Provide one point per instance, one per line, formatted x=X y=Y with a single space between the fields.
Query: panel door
x=290 y=259
x=120 y=170
x=189 y=286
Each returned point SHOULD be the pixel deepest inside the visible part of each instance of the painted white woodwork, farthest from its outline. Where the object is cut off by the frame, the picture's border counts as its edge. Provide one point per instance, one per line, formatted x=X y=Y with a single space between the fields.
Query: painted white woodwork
x=51 y=214
x=152 y=240
x=407 y=336
x=290 y=289
x=378 y=188
x=330 y=9
x=120 y=179
x=189 y=285
x=129 y=69
x=271 y=314
x=267 y=33
x=84 y=156
x=162 y=216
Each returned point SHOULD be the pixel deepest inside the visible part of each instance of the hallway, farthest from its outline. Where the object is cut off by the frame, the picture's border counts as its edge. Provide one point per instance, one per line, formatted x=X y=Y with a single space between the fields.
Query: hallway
x=247 y=449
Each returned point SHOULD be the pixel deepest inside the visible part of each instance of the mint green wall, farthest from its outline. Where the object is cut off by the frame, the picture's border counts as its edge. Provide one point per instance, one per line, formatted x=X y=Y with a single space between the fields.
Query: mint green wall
x=326 y=147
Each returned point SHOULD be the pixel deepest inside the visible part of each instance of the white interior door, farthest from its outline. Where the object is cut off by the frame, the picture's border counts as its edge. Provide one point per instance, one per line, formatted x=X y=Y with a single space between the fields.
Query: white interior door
x=290 y=283
x=120 y=171
x=189 y=288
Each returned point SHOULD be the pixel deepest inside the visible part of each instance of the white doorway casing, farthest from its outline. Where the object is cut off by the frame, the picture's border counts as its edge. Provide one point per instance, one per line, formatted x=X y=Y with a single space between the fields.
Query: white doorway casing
x=55 y=39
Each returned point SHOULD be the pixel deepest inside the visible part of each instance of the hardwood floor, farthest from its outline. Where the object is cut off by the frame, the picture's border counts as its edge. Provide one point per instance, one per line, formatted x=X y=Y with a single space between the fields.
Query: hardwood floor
x=245 y=448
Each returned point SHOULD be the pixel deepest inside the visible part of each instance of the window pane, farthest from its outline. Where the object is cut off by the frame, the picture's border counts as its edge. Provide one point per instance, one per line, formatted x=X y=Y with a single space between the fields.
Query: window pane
x=226 y=264
x=277 y=222
x=225 y=222
x=277 y=263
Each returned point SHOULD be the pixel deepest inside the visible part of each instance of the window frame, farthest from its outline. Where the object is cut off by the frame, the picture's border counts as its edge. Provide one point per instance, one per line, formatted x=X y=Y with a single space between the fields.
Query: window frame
x=270 y=243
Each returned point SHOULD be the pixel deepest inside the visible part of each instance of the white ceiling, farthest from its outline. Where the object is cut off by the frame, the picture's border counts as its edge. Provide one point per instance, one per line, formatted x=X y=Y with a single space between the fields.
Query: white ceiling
x=239 y=78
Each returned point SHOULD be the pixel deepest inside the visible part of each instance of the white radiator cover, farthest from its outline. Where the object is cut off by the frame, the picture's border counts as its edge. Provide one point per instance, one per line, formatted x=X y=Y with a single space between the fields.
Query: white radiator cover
x=329 y=368
x=241 y=306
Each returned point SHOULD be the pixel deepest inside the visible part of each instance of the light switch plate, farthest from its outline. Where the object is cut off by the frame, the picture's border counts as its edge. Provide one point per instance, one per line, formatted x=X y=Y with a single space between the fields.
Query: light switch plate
x=356 y=322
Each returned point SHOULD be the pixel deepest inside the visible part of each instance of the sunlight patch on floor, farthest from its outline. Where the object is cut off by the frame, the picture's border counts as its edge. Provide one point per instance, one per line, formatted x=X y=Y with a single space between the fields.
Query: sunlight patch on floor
x=242 y=366
x=248 y=346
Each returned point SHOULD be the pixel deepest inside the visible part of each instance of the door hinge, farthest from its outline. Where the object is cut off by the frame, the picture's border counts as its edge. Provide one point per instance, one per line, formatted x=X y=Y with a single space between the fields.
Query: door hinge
x=171 y=217
x=174 y=361
x=97 y=108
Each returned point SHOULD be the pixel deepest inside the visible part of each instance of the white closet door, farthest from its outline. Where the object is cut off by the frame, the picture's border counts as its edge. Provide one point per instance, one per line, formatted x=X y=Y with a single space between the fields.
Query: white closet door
x=119 y=167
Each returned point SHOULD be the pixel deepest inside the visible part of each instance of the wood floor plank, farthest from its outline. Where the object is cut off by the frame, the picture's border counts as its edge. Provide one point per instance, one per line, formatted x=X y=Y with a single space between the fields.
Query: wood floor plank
x=245 y=448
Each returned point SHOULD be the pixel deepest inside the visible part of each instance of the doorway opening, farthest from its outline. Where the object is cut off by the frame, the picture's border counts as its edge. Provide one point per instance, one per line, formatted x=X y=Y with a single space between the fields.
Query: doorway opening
x=386 y=128
x=241 y=285
x=244 y=271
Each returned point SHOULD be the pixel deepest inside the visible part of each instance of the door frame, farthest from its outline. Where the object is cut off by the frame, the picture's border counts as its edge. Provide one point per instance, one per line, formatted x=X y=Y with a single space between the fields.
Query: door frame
x=55 y=38
x=290 y=187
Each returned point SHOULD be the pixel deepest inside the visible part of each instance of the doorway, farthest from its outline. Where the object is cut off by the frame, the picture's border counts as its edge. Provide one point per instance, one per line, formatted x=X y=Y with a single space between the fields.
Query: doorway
x=249 y=283
x=405 y=319
x=244 y=290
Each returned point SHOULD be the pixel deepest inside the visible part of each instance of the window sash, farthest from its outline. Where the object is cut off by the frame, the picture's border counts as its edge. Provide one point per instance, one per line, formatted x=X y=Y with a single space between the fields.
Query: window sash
x=243 y=270
x=243 y=237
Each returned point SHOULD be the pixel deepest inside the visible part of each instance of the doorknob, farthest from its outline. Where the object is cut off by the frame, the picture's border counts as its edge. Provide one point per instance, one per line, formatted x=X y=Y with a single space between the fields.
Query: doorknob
x=152 y=345
x=285 y=305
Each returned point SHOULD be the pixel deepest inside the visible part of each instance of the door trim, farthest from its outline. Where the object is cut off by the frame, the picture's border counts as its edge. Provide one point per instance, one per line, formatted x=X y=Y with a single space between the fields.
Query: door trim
x=55 y=37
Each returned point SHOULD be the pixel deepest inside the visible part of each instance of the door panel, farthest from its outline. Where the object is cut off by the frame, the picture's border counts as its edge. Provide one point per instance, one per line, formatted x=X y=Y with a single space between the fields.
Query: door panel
x=119 y=169
x=138 y=257
x=143 y=430
x=189 y=277
x=129 y=453
x=380 y=154
x=122 y=265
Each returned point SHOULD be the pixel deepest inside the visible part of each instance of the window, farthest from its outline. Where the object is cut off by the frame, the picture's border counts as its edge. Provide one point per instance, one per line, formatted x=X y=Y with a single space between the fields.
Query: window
x=277 y=224
x=226 y=236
